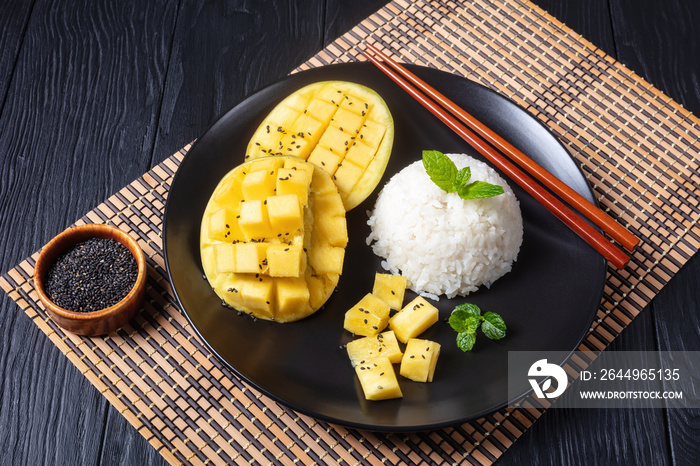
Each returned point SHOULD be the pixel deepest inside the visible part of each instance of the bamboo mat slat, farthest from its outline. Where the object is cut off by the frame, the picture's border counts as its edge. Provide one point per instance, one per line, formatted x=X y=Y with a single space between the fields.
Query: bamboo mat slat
x=637 y=148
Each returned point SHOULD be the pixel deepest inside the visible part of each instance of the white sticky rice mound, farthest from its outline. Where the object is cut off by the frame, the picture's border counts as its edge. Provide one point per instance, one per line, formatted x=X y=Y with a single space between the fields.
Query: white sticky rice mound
x=440 y=242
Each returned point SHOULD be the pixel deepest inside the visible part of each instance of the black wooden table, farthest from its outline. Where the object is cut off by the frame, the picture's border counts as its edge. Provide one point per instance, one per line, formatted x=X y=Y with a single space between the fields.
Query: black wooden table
x=93 y=94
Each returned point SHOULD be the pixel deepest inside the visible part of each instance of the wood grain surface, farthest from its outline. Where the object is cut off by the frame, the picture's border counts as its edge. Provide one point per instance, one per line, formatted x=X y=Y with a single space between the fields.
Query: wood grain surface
x=93 y=94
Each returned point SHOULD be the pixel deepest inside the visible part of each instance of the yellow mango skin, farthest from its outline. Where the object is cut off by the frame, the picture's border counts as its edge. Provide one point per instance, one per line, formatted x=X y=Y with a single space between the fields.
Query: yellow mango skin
x=345 y=128
x=286 y=285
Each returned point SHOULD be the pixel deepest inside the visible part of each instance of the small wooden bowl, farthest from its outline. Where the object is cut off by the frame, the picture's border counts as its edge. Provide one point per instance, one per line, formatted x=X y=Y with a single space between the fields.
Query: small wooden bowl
x=96 y=322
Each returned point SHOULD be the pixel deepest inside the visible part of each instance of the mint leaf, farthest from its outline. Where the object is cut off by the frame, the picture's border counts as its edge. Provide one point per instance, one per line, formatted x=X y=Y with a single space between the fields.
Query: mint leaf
x=493 y=327
x=444 y=173
x=473 y=324
x=465 y=341
x=466 y=319
x=458 y=320
x=462 y=178
x=441 y=170
x=479 y=190
x=470 y=309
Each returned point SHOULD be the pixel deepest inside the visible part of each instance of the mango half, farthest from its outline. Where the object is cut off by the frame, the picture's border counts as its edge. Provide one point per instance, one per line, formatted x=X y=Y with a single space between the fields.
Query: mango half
x=344 y=128
x=273 y=238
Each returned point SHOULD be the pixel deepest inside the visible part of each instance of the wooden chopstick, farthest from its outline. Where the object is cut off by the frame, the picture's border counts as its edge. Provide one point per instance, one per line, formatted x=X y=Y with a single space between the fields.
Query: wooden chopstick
x=589 y=210
x=592 y=236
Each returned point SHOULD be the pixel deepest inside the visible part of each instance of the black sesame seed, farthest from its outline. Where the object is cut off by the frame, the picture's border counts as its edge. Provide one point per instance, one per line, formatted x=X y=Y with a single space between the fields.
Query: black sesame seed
x=92 y=275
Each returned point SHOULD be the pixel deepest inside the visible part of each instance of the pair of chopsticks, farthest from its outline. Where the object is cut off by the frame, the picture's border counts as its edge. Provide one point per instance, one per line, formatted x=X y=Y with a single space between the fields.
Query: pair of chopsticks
x=456 y=118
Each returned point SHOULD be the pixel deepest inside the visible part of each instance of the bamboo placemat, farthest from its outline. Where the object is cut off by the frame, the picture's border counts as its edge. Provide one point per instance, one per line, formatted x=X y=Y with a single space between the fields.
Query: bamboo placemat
x=635 y=145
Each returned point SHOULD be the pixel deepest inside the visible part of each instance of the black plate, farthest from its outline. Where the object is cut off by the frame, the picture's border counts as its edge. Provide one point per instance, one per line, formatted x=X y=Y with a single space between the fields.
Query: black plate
x=548 y=300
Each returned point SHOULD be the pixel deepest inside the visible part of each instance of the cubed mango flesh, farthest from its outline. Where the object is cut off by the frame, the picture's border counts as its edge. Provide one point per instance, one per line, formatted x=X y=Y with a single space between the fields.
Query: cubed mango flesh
x=292 y=299
x=378 y=379
x=419 y=360
x=224 y=257
x=292 y=181
x=253 y=220
x=284 y=260
x=343 y=125
x=365 y=349
x=258 y=185
x=413 y=319
x=368 y=317
x=250 y=257
x=390 y=289
x=257 y=254
x=285 y=214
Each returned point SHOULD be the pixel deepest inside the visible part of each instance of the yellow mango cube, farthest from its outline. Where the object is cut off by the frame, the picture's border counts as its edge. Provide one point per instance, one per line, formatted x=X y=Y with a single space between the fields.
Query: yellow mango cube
x=284 y=260
x=332 y=230
x=308 y=128
x=360 y=154
x=323 y=185
x=224 y=257
x=293 y=181
x=229 y=192
x=327 y=259
x=258 y=185
x=253 y=220
x=250 y=257
x=321 y=110
x=328 y=203
x=285 y=214
x=318 y=291
x=365 y=349
x=223 y=225
x=355 y=104
x=256 y=293
x=292 y=298
x=336 y=140
x=419 y=360
x=347 y=121
x=267 y=139
x=372 y=133
x=378 y=379
x=413 y=319
x=390 y=289
x=299 y=165
x=327 y=159
x=266 y=164
x=297 y=102
x=368 y=317
x=293 y=144
x=346 y=176
x=331 y=94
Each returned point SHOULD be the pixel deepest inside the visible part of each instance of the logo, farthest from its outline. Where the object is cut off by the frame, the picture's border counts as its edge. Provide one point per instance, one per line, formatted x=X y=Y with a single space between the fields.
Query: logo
x=541 y=369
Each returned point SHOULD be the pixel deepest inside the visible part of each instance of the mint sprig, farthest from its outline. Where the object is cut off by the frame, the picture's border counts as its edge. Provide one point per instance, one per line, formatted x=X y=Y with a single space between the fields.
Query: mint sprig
x=466 y=319
x=444 y=173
